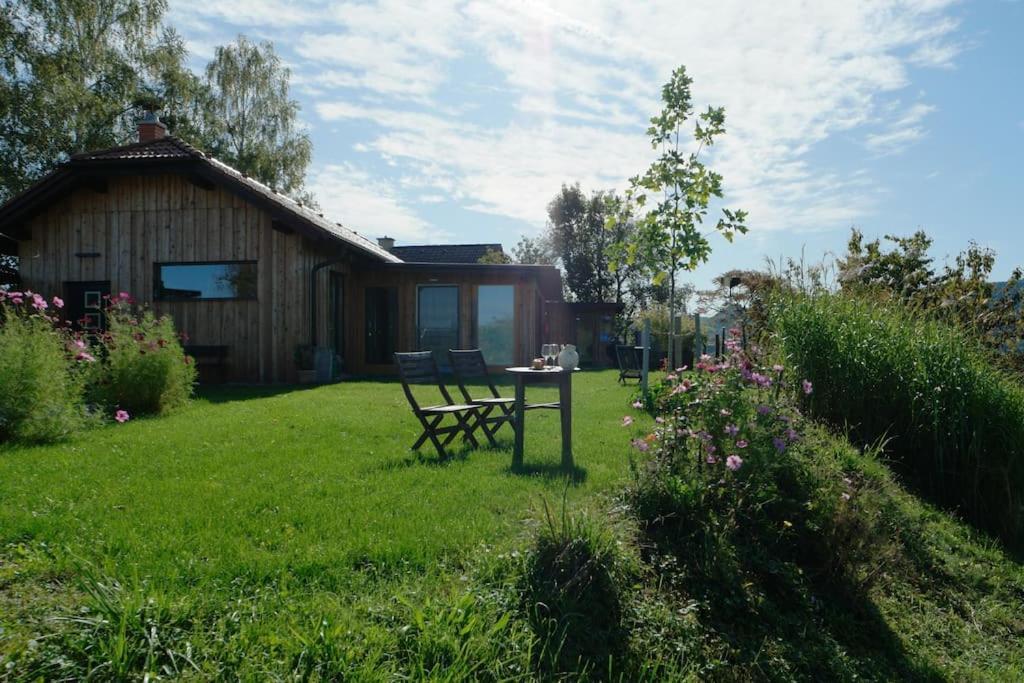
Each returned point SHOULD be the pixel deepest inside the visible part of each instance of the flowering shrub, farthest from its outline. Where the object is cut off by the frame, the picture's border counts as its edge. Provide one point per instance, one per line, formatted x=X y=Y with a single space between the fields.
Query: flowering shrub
x=727 y=478
x=144 y=369
x=41 y=378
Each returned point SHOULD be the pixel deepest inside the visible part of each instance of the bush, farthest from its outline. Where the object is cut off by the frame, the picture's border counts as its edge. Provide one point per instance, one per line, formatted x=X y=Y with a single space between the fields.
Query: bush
x=40 y=385
x=953 y=424
x=144 y=368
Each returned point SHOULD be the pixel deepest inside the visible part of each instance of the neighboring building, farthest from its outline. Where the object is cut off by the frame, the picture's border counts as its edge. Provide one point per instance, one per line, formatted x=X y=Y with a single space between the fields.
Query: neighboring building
x=251 y=276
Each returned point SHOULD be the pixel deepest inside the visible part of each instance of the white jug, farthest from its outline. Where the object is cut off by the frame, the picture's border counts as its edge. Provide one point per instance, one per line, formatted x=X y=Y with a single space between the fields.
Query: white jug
x=568 y=359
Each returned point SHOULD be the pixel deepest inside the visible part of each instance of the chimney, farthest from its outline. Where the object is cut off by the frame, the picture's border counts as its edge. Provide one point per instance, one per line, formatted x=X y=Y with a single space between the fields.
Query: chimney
x=151 y=127
x=386 y=243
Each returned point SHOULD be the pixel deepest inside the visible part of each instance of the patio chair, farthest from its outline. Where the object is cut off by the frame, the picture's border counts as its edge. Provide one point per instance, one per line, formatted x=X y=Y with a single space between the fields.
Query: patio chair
x=469 y=364
x=629 y=366
x=420 y=368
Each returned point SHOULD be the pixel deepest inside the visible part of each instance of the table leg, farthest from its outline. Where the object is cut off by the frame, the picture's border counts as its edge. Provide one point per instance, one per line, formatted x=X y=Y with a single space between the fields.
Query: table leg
x=565 y=400
x=519 y=424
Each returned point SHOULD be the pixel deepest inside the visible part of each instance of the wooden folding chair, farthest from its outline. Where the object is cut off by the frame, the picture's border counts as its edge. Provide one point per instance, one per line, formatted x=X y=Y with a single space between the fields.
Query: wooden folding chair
x=420 y=368
x=470 y=364
x=629 y=366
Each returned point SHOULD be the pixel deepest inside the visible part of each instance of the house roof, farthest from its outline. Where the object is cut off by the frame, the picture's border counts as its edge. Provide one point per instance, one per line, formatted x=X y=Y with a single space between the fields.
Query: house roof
x=444 y=253
x=179 y=156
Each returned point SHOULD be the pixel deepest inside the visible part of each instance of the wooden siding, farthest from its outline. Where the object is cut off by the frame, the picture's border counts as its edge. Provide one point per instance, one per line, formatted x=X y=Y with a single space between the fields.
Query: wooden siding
x=144 y=220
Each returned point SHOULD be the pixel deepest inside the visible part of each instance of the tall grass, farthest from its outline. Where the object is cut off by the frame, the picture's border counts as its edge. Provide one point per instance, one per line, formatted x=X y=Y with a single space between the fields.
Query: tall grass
x=954 y=425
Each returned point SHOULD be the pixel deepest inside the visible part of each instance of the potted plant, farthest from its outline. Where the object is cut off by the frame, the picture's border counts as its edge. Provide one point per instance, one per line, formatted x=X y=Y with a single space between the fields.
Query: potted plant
x=305 y=355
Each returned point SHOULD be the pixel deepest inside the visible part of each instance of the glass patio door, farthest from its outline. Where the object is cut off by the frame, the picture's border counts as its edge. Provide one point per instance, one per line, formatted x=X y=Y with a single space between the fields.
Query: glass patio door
x=437 y=320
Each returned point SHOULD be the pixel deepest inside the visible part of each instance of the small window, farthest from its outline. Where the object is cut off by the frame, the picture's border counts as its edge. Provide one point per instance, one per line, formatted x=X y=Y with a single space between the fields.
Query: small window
x=199 y=281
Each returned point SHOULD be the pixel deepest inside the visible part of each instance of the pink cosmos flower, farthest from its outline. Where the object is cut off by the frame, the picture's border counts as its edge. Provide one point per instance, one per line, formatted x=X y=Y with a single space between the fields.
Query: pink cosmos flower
x=777 y=368
x=79 y=344
x=671 y=377
x=638 y=404
x=742 y=443
x=641 y=445
x=38 y=303
x=659 y=420
x=734 y=462
x=122 y=416
x=626 y=421
x=808 y=387
x=779 y=443
x=732 y=430
x=85 y=356
x=711 y=459
x=58 y=302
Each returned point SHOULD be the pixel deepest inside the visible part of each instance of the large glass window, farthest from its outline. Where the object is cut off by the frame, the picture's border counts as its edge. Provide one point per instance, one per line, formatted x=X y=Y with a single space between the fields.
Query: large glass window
x=437 y=320
x=197 y=281
x=381 y=325
x=495 y=316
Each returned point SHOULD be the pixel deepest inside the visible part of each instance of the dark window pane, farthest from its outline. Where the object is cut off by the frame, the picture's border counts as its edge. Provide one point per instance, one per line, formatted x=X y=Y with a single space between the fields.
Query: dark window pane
x=494 y=318
x=206 y=281
x=381 y=324
x=437 y=318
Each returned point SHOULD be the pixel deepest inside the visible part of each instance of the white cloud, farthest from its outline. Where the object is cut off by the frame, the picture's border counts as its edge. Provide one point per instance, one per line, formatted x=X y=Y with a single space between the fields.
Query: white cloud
x=561 y=91
x=900 y=132
x=368 y=205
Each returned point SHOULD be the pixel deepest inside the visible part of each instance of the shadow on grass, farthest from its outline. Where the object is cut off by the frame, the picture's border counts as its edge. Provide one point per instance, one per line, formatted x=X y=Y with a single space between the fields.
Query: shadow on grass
x=227 y=393
x=575 y=476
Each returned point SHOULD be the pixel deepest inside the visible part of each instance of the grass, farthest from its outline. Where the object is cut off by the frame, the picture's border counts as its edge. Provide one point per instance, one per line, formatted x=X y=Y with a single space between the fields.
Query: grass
x=952 y=423
x=310 y=494
x=289 y=534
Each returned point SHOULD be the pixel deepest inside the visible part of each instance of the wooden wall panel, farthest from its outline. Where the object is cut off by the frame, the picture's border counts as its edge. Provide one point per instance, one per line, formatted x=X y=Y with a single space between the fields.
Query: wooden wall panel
x=139 y=221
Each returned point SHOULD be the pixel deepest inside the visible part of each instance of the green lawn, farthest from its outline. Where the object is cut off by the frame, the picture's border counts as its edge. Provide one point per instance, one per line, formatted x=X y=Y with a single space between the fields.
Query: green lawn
x=309 y=494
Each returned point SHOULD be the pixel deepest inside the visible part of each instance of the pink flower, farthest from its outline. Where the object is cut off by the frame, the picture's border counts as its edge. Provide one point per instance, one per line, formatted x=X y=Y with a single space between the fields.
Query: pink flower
x=779 y=443
x=85 y=356
x=638 y=404
x=777 y=368
x=711 y=459
x=626 y=421
x=641 y=445
x=58 y=302
x=808 y=387
x=742 y=443
x=732 y=430
x=38 y=302
x=734 y=462
x=79 y=344
x=671 y=377
x=763 y=410
x=122 y=416
x=659 y=420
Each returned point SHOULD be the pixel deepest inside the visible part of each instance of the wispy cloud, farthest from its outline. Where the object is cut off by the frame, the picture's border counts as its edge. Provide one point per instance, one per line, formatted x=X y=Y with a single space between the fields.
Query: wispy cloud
x=368 y=204
x=901 y=132
x=493 y=105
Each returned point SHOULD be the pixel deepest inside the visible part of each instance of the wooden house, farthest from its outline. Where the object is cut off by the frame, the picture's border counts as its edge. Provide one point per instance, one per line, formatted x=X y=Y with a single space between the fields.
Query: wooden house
x=260 y=284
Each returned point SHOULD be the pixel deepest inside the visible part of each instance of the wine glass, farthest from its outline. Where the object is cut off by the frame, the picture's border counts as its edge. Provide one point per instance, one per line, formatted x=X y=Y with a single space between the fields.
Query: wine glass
x=545 y=350
x=550 y=350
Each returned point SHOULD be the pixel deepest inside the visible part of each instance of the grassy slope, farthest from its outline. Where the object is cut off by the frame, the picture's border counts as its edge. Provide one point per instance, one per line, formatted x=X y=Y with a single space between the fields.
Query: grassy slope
x=271 y=530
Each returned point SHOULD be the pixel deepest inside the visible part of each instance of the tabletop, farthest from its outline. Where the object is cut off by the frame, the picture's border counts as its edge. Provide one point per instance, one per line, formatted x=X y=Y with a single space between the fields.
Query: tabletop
x=531 y=371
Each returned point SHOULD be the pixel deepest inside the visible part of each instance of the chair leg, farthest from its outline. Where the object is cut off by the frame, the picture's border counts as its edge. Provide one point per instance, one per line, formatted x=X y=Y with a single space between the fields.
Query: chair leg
x=482 y=422
x=468 y=428
x=428 y=428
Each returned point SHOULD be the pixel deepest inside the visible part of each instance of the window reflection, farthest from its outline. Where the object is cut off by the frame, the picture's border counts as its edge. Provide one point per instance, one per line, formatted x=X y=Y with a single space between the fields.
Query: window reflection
x=196 y=281
x=437 y=318
x=495 y=323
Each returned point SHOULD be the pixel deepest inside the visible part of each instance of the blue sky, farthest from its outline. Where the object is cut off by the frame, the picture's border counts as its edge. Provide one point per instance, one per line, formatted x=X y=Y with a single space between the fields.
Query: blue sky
x=457 y=121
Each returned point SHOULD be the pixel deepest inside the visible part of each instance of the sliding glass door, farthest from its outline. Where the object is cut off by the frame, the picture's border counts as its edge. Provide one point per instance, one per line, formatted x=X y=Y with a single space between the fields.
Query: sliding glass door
x=437 y=320
x=495 y=315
